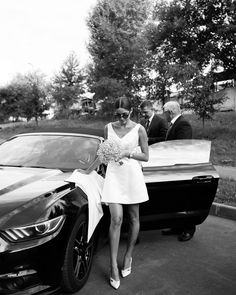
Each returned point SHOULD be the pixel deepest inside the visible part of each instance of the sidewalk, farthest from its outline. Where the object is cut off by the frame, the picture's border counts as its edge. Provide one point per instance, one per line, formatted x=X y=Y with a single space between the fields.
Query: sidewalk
x=221 y=210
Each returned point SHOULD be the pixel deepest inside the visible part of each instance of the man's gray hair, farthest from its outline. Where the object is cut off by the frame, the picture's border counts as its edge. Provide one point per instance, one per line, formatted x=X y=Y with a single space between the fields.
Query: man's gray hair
x=173 y=107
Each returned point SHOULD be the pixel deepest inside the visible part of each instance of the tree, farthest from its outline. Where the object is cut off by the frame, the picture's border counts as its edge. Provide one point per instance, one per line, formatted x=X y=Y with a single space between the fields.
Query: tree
x=33 y=90
x=9 y=106
x=197 y=91
x=196 y=30
x=156 y=78
x=117 y=46
x=68 y=84
x=187 y=39
x=25 y=96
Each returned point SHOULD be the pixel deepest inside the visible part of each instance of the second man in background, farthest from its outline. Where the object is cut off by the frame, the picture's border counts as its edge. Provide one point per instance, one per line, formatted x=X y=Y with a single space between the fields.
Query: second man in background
x=155 y=125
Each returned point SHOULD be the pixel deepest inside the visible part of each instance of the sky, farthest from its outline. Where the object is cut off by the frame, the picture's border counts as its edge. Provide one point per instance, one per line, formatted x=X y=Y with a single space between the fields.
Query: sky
x=40 y=34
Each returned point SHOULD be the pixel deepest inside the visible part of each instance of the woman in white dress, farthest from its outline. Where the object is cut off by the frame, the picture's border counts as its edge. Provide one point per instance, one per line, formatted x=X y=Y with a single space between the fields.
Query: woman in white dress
x=124 y=184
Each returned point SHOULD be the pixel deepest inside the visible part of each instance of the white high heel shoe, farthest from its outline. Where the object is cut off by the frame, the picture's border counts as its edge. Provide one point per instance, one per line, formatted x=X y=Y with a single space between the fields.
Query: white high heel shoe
x=127 y=271
x=115 y=284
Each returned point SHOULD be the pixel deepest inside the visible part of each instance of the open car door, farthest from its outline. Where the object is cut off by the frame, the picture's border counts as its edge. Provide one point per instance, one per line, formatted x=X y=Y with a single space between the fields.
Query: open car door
x=181 y=183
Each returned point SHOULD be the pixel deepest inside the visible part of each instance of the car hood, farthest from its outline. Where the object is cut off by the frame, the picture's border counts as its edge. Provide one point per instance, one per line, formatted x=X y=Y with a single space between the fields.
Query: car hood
x=27 y=193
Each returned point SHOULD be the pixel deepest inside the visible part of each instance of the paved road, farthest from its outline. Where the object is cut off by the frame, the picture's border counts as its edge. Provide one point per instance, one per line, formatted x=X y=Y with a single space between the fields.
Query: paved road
x=206 y=265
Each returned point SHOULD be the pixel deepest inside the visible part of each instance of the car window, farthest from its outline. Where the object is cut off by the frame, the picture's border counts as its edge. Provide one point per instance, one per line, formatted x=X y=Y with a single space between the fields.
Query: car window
x=50 y=151
x=176 y=152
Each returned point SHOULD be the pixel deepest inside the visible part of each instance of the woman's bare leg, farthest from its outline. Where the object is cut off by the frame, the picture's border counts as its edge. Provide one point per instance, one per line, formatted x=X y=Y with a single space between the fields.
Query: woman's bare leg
x=116 y=211
x=134 y=226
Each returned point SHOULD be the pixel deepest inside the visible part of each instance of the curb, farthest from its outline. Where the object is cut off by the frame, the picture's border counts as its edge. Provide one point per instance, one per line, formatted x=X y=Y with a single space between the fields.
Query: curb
x=223 y=211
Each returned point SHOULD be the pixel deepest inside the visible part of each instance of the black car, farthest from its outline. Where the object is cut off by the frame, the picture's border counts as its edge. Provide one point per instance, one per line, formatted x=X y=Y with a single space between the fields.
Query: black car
x=44 y=213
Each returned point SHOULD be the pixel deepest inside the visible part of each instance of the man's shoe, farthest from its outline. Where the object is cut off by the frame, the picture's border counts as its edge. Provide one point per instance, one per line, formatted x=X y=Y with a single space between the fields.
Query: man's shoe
x=171 y=231
x=185 y=236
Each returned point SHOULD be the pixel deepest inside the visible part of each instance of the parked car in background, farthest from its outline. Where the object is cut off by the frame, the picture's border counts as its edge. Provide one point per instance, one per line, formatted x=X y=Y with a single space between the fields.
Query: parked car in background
x=44 y=218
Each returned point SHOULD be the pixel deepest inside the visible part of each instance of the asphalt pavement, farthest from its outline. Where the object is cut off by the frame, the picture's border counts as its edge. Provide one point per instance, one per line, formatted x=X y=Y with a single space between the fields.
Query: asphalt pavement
x=205 y=265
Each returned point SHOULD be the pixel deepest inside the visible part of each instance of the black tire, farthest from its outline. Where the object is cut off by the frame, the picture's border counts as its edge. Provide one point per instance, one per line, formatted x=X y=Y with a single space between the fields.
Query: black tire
x=78 y=257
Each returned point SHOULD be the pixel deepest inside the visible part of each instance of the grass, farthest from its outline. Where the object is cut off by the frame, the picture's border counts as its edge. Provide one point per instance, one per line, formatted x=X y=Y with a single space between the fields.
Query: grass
x=11 y=129
x=226 y=192
x=221 y=131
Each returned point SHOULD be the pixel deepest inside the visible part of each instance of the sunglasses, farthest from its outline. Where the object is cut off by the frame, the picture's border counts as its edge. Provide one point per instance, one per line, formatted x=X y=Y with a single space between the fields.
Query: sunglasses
x=123 y=115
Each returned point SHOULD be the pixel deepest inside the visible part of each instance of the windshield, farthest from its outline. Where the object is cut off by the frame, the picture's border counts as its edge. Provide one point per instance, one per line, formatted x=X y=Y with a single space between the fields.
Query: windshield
x=49 y=151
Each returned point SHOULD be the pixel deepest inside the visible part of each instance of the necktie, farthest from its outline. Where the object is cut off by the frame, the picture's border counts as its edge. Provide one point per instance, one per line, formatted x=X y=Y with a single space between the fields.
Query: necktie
x=147 y=124
x=168 y=131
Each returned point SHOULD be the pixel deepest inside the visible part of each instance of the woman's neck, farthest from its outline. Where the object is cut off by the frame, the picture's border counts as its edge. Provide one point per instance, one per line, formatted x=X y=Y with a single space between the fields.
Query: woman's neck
x=124 y=125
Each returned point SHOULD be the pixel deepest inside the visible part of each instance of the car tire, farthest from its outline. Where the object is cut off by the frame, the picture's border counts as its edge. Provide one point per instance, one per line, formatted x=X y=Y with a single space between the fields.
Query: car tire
x=78 y=257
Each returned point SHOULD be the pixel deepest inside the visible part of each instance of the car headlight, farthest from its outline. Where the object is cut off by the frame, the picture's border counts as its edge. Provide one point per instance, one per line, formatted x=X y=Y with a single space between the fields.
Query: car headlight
x=33 y=231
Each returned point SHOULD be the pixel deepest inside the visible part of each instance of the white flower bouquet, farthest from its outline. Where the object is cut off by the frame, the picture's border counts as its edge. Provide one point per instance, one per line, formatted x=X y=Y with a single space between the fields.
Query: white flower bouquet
x=109 y=151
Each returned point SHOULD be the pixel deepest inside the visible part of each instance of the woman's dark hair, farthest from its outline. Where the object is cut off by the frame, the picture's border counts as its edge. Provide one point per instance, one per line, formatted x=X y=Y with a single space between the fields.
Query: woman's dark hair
x=124 y=103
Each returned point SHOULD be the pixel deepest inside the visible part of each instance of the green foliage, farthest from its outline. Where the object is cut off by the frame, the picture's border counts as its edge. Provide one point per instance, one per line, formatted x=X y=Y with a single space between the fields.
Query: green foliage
x=68 y=84
x=221 y=131
x=185 y=38
x=117 y=45
x=9 y=106
x=108 y=87
x=25 y=96
x=34 y=102
x=197 y=91
x=156 y=78
x=197 y=30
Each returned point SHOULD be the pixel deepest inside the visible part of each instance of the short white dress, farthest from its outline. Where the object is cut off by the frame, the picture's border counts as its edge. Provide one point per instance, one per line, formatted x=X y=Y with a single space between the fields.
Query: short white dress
x=124 y=184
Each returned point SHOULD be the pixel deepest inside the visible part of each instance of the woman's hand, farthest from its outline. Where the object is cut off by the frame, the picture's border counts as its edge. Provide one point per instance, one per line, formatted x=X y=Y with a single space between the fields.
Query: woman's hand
x=125 y=154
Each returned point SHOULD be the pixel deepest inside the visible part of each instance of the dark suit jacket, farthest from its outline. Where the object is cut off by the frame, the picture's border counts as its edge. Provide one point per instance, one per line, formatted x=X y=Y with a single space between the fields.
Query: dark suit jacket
x=157 y=129
x=181 y=129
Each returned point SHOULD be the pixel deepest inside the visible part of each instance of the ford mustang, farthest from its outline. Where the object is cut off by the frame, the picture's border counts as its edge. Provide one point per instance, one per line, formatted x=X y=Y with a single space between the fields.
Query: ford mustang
x=44 y=210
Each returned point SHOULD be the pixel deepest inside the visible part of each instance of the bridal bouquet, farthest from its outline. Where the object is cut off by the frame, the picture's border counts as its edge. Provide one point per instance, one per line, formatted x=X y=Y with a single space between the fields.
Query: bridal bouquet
x=109 y=151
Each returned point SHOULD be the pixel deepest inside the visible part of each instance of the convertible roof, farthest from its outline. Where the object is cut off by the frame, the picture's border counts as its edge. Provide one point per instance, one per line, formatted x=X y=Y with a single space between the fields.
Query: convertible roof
x=78 y=130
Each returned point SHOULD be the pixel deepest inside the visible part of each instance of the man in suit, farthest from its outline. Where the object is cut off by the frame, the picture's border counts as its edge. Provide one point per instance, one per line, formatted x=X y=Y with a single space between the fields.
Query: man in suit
x=179 y=128
x=155 y=125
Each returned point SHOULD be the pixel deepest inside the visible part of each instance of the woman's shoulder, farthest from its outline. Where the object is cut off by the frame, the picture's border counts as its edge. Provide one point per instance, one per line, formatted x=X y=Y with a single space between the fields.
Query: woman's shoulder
x=141 y=128
x=109 y=124
x=114 y=123
x=134 y=124
x=106 y=126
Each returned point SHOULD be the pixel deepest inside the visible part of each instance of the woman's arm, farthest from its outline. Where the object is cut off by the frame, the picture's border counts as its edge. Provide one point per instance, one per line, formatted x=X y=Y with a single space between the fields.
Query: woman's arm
x=143 y=142
x=105 y=132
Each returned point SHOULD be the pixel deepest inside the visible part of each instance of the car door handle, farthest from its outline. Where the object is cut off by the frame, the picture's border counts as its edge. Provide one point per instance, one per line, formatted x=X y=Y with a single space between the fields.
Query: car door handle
x=203 y=179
